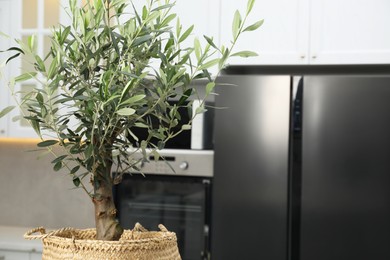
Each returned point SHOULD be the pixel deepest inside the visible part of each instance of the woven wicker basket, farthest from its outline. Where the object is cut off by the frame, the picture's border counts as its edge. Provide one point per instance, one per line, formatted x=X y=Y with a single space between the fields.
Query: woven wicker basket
x=136 y=244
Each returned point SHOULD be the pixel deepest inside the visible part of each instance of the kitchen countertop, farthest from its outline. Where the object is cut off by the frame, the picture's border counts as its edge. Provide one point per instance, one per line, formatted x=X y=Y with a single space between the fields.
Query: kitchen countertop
x=11 y=238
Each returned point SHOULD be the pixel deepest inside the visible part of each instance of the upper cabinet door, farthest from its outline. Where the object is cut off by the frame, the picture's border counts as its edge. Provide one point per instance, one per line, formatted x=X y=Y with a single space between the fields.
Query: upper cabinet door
x=282 y=39
x=350 y=32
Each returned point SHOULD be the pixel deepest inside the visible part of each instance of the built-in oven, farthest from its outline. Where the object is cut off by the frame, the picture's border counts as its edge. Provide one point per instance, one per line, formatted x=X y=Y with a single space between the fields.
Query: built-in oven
x=175 y=188
x=178 y=199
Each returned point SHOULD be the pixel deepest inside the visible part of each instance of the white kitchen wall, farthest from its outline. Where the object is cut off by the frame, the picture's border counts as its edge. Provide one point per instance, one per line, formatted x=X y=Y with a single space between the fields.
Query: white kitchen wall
x=32 y=194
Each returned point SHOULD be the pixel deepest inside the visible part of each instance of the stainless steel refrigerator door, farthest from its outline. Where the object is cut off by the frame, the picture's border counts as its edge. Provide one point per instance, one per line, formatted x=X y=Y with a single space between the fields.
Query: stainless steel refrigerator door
x=249 y=216
x=346 y=168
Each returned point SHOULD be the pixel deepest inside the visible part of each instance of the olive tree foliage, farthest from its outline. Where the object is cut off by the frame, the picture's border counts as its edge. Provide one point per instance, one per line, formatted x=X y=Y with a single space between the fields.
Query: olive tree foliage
x=112 y=71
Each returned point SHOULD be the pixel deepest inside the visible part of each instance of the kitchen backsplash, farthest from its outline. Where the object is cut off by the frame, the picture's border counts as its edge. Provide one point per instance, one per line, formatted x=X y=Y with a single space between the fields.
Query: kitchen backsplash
x=32 y=194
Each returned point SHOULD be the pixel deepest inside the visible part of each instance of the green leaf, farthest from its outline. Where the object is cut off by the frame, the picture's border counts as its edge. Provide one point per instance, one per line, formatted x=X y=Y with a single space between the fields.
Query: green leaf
x=57 y=166
x=198 y=49
x=210 y=41
x=76 y=181
x=125 y=111
x=225 y=55
x=186 y=34
x=200 y=110
x=209 y=87
x=6 y=111
x=25 y=76
x=161 y=7
x=167 y=20
x=236 y=24
x=186 y=127
x=249 y=6
x=152 y=17
x=59 y=159
x=141 y=40
x=144 y=13
x=75 y=169
x=209 y=64
x=133 y=99
x=31 y=43
x=40 y=64
x=245 y=54
x=52 y=69
x=47 y=143
x=12 y=57
x=35 y=125
x=254 y=26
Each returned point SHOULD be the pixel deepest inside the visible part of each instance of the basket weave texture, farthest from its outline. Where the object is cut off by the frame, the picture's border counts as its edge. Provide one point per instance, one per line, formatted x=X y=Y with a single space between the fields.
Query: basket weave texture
x=80 y=244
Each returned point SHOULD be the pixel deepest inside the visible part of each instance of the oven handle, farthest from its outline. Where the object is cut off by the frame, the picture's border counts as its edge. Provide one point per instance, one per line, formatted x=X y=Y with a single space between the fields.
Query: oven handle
x=206 y=254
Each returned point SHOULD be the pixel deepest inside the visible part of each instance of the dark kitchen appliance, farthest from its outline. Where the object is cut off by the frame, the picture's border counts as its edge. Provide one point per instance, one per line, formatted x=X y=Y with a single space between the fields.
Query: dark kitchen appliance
x=302 y=168
x=179 y=200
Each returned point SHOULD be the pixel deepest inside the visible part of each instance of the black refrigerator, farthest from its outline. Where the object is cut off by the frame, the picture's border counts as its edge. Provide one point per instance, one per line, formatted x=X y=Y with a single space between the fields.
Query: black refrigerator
x=302 y=163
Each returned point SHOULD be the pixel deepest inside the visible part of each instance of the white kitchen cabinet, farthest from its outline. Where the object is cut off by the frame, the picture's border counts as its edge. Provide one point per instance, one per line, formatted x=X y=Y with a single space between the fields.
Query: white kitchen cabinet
x=350 y=32
x=282 y=39
x=313 y=31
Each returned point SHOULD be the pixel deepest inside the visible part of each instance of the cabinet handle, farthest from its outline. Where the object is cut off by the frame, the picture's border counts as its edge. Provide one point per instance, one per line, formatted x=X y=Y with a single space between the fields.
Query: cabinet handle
x=2 y=131
x=303 y=56
x=314 y=57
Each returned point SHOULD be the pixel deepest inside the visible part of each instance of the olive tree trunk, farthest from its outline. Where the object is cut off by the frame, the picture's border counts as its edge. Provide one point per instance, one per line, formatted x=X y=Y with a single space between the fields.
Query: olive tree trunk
x=107 y=226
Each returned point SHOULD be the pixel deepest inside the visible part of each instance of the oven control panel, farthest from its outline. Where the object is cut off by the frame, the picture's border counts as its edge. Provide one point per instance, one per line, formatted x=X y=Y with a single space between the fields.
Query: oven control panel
x=180 y=162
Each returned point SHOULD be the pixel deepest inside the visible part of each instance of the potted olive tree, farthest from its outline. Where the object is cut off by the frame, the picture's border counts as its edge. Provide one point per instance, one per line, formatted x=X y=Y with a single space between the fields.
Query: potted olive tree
x=110 y=72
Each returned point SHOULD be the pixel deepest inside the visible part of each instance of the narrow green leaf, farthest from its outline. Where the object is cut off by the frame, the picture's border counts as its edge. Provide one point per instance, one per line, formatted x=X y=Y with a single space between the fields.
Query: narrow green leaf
x=209 y=87
x=40 y=64
x=59 y=159
x=152 y=16
x=167 y=20
x=225 y=55
x=75 y=169
x=6 y=111
x=186 y=127
x=210 y=41
x=186 y=34
x=57 y=166
x=12 y=57
x=52 y=69
x=236 y=24
x=245 y=54
x=133 y=99
x=178 y=27
x=144 y=13
x=141 y=40
x=254 y=26
x=125 y=111
x=209 y=64
x=47 y=143
x=25 y=76
x=161 y=7
x=249 y=6
x=31 y=43
x=198 y=49
x=35 y=125
x=200 y=110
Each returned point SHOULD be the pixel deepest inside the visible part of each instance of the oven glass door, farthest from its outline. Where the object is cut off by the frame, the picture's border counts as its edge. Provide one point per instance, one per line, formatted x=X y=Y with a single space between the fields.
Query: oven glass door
x=180 y=203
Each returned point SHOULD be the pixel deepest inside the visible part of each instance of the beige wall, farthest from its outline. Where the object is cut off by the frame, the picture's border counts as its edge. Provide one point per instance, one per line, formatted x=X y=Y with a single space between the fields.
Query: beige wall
x=32 y=194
